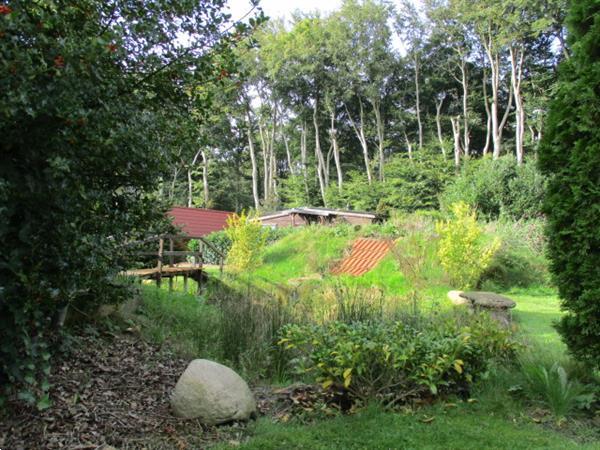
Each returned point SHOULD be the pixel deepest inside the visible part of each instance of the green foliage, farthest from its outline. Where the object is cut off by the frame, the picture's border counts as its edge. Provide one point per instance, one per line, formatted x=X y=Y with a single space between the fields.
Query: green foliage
x=88 y=104
x=570 y=157
x=248 y=238
x=222 y=242
x=462 y=251
x=409 y=185
x=219 y=239
x=497 y=188
x=415 y=184
x=396 y=361
x=520 y=261
x=552 y=386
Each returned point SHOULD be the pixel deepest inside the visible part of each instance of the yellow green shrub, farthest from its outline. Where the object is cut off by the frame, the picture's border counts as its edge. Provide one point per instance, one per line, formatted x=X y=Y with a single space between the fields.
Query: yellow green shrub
x=462 y=250
x=248 y=239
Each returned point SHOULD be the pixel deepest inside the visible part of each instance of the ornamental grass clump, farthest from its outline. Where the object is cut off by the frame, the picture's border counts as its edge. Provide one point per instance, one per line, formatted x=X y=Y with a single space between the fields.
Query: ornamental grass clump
x=463 y=251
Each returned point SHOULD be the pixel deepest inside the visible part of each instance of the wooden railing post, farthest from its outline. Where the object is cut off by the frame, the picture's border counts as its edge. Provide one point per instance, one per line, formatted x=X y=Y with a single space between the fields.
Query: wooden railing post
x=161 y=245
x=171 y=262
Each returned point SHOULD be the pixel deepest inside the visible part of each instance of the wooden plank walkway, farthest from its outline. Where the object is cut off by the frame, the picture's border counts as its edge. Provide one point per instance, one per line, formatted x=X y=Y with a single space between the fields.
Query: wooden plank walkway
x=165 y=271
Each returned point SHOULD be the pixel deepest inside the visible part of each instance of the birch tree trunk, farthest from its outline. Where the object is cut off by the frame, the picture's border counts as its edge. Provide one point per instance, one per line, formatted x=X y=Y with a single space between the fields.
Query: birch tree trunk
x=408 y=145
x=265 y=160
x=336 y=150
x=360 y=134
x=288 y=154
x=456 y=133
x=380 y=135
x=205 y=177
x=190 y=201
x=438 y=120
x=516 y=76
x=319 y=155
x=465 y=86
x=303 y=158
x=488 y=130
x=254 y=166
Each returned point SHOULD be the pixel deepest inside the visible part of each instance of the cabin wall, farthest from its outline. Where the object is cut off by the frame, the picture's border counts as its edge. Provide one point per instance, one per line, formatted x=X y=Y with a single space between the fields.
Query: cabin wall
x=300 y=220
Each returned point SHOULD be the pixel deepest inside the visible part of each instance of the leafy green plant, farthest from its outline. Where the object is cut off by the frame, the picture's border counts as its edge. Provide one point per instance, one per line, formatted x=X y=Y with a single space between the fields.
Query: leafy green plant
x=520 y=260
x=553 y=387
x=248 y=238
x=463 y=253
x=498 y=187
x=396 y=361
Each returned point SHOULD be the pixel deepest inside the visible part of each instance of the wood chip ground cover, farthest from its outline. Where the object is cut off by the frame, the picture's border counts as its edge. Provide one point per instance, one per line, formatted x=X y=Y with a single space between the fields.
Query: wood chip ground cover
x=109 y=389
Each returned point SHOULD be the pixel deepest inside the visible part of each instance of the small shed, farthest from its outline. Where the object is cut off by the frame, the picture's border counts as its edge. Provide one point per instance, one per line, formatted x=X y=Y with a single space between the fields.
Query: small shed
x=197 y=222
x=295 y=217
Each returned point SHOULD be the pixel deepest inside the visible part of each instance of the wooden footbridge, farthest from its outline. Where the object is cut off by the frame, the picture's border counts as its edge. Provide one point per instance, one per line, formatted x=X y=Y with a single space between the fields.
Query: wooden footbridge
x=193 y=267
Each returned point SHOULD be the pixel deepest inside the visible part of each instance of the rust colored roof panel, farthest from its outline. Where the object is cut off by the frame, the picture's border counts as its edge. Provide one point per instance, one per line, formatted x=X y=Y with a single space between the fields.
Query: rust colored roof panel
x=197 y=221
x=365 y=255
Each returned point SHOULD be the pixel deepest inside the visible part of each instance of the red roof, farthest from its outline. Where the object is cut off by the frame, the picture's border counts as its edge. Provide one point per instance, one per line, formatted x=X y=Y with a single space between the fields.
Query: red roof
x=197 y=222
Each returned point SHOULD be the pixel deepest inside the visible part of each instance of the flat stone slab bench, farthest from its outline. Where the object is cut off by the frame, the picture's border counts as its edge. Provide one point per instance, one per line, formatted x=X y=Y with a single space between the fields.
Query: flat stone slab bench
x=497 y=305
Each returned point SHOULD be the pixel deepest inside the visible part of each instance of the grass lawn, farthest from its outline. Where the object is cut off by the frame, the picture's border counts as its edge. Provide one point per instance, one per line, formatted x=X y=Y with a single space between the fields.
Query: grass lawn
x=466 y=426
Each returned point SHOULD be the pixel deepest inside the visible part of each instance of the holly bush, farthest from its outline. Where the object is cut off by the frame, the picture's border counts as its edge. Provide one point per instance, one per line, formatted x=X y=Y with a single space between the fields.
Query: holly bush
x=89 y=89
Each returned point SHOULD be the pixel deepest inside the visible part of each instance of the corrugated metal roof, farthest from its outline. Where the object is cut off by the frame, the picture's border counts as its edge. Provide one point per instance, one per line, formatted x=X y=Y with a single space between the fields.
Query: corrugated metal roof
x=365 y=255
x=198 y=221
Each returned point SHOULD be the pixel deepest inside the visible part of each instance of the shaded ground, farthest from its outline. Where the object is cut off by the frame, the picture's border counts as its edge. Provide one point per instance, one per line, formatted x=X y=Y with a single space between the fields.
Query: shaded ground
x=109 y=389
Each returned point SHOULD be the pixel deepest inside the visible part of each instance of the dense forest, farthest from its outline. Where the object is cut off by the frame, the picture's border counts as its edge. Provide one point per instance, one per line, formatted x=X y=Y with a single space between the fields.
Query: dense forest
x=327 y=110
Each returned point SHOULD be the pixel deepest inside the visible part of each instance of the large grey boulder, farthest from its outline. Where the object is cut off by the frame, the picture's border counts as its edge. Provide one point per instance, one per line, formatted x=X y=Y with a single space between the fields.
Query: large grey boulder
x=213 y=393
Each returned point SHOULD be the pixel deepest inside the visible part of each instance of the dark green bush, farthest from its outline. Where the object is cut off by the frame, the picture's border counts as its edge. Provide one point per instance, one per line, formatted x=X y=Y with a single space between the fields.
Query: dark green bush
x=396 y=361
x=87 y=107
x=498 y=187
x=570 y=157
x=410 y=185
x=520 y=260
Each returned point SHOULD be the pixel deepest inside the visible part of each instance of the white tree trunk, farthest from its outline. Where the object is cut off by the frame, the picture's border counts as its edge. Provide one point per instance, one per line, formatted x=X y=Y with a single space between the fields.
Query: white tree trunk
x=288 y=154
x=488 y=130
x=456 y=133
x=190 y=181
x=255 y=194
x=205 y=178
x=438 y=120
x=319 y=156
x=516 y=76
x=360 y=134
x=303 y=158
x=465 y=86
x=336 y=150
x=380 y=136
x=408 y=145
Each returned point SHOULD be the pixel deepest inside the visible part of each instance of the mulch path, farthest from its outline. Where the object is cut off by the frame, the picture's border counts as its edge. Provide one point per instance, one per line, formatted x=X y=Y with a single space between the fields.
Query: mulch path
x=113 y=389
